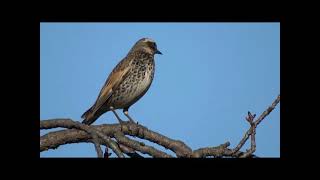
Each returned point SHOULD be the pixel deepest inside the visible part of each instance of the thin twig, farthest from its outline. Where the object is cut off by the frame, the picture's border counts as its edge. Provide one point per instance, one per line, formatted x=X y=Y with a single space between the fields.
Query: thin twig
x=106 y=153
x=254 y=124
x=97 y=145
x=268 y=111
x=253 y=146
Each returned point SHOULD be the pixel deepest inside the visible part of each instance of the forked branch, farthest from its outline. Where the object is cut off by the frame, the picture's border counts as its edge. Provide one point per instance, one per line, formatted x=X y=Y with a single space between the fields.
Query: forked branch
x=114 y=136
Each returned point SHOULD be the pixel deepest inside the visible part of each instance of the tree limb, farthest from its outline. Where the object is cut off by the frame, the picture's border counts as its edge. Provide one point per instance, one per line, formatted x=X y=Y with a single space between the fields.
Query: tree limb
x=251 y=132
x=68 y=123
x=140 y=146
x=102 y=134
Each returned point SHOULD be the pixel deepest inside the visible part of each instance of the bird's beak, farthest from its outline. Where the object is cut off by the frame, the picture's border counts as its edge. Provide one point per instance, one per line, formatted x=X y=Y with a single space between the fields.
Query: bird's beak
x=158 y=52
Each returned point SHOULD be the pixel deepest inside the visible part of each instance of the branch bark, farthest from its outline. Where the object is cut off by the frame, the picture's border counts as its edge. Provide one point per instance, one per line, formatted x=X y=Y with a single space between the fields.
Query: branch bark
x=103 y=134
x=90 y=130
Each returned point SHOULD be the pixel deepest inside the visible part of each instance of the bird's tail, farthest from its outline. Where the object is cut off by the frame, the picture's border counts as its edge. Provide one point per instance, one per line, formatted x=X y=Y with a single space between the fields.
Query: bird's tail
x=88 y=117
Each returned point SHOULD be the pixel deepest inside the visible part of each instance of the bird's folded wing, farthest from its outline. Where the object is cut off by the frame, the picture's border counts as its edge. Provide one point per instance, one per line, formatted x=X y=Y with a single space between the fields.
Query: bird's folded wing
x=112 y=83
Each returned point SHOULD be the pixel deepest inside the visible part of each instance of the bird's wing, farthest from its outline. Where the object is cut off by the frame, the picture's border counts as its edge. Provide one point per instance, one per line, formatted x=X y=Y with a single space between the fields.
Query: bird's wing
x=120 y=72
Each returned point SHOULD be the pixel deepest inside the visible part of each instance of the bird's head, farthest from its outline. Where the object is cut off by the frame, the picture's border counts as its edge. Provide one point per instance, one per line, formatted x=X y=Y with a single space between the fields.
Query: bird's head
x=147 y=45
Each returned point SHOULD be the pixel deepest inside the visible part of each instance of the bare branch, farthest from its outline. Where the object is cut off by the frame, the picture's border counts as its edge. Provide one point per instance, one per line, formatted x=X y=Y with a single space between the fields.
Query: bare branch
x=102 y=134
x=129 y=151
x=253 y=125
x=211 y=151
x=140 y=146
x=253 y=145
x=106 y=153
x=97 y=145
x=68 y=123
x=268 y=111
x=178 y=147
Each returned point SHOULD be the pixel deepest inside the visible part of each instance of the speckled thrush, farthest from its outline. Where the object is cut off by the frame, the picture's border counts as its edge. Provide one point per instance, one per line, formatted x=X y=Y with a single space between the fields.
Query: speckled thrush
x=127 y=82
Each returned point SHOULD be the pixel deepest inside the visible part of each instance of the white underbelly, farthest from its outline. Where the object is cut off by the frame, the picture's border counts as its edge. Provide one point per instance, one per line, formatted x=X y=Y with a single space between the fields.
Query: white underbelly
x=141 y=87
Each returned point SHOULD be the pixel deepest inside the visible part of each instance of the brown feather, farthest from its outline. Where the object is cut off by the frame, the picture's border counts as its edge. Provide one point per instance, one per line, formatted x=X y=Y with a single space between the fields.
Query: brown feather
x=115 y=78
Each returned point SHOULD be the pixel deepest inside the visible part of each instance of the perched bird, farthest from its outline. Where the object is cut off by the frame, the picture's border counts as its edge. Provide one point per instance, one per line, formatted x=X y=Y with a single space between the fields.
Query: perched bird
x=127 y=82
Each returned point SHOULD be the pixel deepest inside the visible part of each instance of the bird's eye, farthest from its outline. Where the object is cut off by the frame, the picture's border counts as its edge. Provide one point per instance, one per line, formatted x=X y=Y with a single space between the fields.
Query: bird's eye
x=151 y=45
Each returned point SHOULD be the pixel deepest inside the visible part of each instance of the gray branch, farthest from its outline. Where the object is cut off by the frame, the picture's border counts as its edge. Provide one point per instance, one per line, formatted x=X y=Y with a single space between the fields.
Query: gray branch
x=102 y=134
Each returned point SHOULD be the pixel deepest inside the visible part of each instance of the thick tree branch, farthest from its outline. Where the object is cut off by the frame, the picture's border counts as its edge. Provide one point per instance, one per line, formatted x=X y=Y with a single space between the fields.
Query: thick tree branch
x=211 y=151
x=141 y=147
x=129 y=151
x=102 y=134
x=68 y=123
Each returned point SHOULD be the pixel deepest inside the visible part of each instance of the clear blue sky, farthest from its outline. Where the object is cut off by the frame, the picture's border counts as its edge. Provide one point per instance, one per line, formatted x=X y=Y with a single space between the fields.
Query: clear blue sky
x=209 y=76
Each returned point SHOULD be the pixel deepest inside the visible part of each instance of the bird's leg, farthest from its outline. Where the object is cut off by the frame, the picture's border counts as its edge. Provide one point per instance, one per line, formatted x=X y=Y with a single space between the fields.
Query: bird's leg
x=115 y=113
x=126 y=113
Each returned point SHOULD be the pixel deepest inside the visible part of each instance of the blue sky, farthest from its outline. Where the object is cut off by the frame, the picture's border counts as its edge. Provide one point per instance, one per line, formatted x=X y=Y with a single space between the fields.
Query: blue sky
x=209 y=76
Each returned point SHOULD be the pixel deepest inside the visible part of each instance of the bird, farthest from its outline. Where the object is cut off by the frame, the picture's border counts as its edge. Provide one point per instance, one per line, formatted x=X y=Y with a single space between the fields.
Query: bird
x=127 y=83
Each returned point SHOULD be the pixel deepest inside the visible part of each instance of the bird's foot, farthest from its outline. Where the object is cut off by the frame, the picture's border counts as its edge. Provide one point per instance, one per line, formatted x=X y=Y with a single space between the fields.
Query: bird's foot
x=117 y=116
x=126 y=113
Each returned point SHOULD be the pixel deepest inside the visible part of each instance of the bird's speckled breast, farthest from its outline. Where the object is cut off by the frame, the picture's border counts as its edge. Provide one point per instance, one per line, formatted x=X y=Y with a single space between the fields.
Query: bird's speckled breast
x=136 y=84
